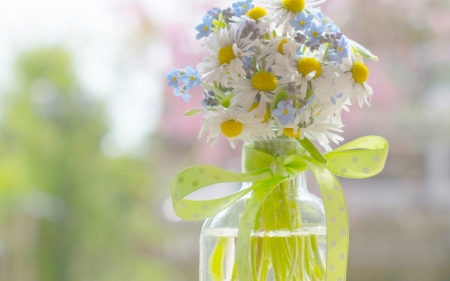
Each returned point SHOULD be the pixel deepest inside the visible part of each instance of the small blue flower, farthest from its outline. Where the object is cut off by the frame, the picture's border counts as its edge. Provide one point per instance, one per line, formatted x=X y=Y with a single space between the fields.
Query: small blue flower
x=205 y=28
x=332 y=56
x=302 y=21
x=182 y=93
x=247 y=62
x=314 y=32
x=334 y=28
x=326 y=21
x=242 y=7
x=173 y=78
x=214 y=13
x=191 y=78
x=342 y=50
x=284 y=112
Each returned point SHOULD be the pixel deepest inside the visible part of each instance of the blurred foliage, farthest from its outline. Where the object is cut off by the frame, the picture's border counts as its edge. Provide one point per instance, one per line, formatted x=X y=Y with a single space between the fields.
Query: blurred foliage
x=68 y=212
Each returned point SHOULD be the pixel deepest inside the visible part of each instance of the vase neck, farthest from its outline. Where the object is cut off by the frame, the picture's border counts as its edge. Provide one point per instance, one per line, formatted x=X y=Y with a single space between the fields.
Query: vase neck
x=277 y=147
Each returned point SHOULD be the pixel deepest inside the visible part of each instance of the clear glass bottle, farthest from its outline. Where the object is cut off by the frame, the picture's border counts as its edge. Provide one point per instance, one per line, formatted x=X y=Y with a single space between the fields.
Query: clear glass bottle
x=288 y=241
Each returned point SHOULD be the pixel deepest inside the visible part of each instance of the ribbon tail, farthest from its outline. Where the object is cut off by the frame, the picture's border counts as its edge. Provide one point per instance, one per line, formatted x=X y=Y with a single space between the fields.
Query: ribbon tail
x=336 y=222
x=262 y=190
x=194 y=210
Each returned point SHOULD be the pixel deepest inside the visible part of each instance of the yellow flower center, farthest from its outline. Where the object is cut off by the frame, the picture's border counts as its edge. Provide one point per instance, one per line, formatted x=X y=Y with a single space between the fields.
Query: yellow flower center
x=307 y=65
x=315 y=34
x=244 y=6
x=226 y=55
x=280 y=46
x=205 y=28
x=231 y=128
x=192 y=77
x=174 y=78
x=285 y=112
x=295 y=6
x=266 y=116
x=340 y=48
x=302 y=22
x=264 y=81
x=289 y=132
x=256 y=13
x=360 y=72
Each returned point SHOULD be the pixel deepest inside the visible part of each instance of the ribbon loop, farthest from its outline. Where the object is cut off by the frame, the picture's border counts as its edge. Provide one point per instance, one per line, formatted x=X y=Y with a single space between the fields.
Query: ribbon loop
x=197 y=177
x=361 y=158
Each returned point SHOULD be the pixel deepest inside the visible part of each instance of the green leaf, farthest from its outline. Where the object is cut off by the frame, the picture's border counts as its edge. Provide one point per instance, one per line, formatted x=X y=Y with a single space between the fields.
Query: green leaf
x=359 y=49
x=309 y=93
x=281 y=95
x=226 y=102
x=192 y=112
x=219 y=94
x=315 y=153
x=217 y=259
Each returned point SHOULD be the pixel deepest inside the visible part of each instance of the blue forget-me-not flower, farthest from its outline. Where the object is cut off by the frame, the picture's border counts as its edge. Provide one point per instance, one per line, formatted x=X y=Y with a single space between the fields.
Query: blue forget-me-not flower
x=214 y=12
x=182 y=93
x=284 y=112
x=302 y=21
x=314 y=32
x=242 y=7
x=342 y=50
x=191 y=78
x=324 y=20
x=205 y=28
x=173 y=78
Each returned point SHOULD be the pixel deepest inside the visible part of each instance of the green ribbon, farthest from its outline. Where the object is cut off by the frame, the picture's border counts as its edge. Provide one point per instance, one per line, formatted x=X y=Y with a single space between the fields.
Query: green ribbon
x=361 y=158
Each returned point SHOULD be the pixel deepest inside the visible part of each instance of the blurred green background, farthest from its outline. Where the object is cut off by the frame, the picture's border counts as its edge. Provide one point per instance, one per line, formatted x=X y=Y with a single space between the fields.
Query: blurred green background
x=90 y=136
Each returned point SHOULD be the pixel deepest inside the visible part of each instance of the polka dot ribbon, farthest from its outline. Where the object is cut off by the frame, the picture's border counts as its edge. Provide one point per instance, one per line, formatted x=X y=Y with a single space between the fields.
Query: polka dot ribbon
x=361 y=158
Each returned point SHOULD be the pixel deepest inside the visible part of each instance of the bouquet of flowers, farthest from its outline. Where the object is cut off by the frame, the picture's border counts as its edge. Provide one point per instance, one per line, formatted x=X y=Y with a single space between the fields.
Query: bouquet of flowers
x=286 y=66
x=273 y=76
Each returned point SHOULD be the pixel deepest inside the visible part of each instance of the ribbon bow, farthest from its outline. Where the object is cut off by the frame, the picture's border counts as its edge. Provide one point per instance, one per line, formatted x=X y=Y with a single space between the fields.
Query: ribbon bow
x=361 y=158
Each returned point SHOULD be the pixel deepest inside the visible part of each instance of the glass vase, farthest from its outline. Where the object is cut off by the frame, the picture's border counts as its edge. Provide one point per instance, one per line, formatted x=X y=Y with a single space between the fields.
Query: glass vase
x=288 y=241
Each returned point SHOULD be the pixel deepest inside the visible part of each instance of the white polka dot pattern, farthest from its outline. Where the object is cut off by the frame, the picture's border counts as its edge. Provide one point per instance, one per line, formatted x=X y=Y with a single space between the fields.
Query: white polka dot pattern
x=337 y=222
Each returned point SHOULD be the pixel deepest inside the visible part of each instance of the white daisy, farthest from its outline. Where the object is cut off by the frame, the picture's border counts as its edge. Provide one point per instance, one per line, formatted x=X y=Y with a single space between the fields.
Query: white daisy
x=257 y=15
x=235 y=124
x=309 y=71
x=282 y=11
x=292 y=130
x=260 y=88
x=322 y=133
x=318 y=108
x=353 y=81
x=315 y=131
x=278 y=45
x=315 y=121
x=223 y=58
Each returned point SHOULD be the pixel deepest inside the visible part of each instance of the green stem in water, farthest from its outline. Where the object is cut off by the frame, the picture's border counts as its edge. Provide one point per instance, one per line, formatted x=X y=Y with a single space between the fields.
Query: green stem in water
x=276 y=249
x=217 y=260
